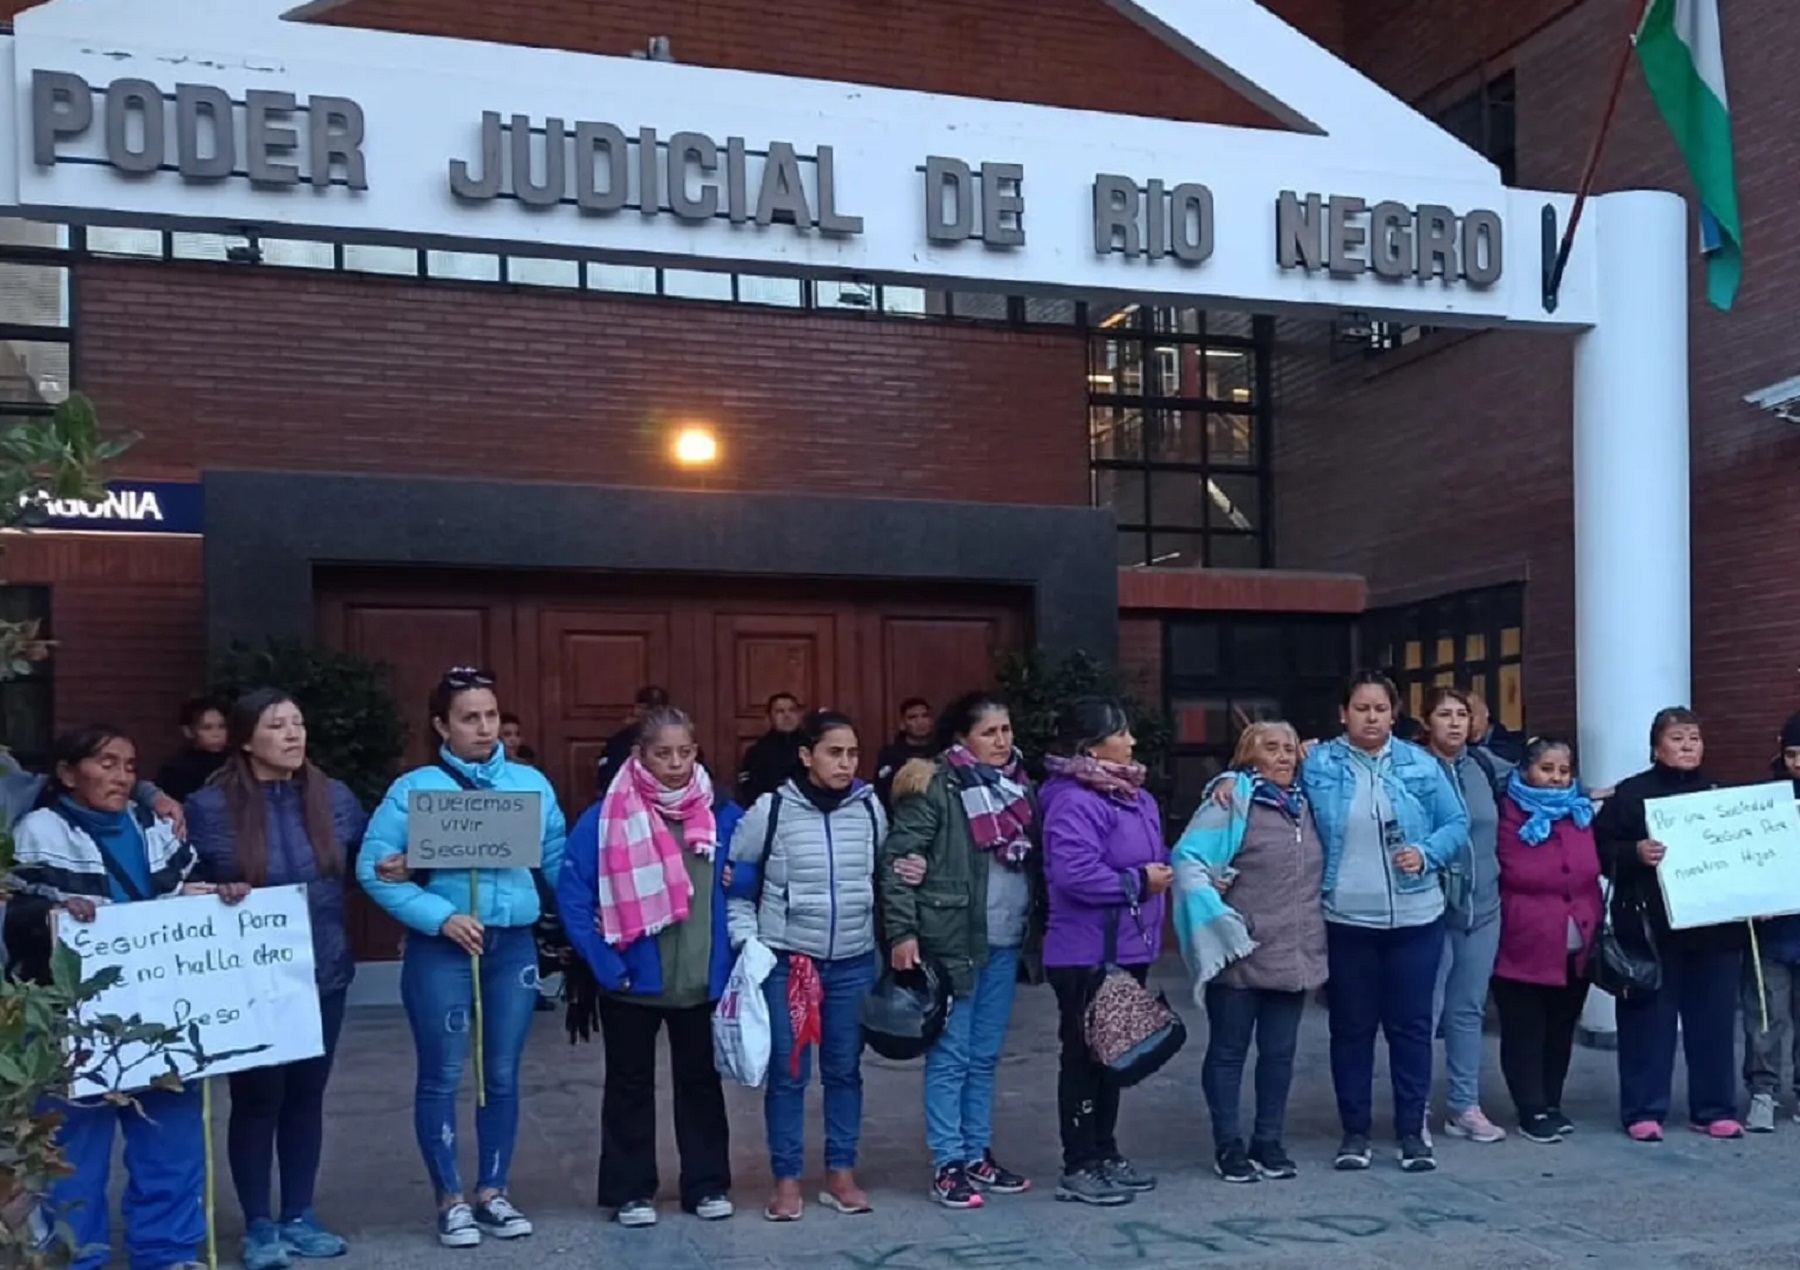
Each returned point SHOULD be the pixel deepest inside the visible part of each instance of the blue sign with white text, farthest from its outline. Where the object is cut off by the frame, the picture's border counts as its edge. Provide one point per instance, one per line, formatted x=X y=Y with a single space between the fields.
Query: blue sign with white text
x=130 y=507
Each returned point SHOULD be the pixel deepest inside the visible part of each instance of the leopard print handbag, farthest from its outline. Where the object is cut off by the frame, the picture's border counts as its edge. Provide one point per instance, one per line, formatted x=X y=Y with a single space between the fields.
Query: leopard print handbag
x=1130 y=1031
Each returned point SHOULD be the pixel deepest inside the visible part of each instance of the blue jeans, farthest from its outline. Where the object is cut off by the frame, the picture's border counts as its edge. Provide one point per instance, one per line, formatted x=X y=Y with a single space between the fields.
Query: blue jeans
x=437 y=987
x=1460 y=1007
x=959 y=1070
x=846 y=982
x=1382 y=980
x=1234 y=1017
x=165 y=1167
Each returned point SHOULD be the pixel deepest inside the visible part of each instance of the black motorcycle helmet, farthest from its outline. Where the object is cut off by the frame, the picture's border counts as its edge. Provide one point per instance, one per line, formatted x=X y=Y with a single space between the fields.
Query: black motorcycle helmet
x=905 y=1012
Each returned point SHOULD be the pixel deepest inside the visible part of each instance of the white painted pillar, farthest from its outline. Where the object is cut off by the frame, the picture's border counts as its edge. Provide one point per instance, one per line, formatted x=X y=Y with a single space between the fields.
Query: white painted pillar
x=1632 y=638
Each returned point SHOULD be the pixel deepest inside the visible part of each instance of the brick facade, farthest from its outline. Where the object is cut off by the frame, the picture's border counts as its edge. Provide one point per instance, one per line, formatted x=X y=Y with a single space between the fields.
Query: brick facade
x=226 y=367
x=1447 y=465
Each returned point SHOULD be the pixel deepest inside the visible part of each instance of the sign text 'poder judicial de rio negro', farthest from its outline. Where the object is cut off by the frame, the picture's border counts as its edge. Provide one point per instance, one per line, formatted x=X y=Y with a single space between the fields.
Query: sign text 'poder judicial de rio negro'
x=199 y=132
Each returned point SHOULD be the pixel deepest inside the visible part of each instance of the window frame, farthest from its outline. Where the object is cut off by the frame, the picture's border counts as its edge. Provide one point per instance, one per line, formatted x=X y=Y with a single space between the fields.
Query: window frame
x=1486 y=613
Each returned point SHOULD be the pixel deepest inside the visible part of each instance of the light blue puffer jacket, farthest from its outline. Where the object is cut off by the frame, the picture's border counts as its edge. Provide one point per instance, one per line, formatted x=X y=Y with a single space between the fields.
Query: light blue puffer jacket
x=508 y=897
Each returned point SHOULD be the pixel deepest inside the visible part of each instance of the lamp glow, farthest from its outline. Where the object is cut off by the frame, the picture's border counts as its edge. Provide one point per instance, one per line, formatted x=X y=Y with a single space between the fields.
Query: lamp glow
x=696 y=447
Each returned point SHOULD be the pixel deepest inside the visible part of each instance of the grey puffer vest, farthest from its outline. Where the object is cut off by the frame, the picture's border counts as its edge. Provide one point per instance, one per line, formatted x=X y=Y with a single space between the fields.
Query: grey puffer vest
x=817 y=878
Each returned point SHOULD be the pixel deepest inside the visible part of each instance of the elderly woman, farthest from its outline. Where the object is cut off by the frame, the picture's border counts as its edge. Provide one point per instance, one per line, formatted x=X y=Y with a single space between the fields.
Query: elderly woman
x=1471 y=909
x=1256 y=952
x=1390 y=820
x=1700 y=966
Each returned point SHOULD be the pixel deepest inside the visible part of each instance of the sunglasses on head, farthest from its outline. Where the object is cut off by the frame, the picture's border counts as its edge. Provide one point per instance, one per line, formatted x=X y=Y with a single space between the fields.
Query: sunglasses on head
x=464 y=677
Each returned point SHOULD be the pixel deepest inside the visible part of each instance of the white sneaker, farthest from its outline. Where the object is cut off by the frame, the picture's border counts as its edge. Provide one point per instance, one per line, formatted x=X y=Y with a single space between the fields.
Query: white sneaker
x=1762 y=1114
x=1425 y=1133
x=457 y=1228
x=501 y=1219
x=636 y=1214
x=714 y=1208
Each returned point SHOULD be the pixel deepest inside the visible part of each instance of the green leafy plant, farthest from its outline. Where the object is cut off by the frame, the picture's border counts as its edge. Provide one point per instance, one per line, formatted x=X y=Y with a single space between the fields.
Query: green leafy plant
x=1039 y=685
x=354 y=728
x=48 y=1035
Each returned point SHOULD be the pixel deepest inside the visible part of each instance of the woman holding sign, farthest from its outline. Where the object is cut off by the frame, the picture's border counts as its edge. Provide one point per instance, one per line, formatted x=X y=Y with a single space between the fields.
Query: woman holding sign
x=643 y=899
x=86 y=846
x=270 y=818
x=469 y=955
x=1700 y=966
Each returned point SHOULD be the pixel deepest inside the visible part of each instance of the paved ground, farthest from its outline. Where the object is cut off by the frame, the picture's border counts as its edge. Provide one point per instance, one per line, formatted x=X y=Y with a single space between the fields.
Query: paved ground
x=1599 y=1200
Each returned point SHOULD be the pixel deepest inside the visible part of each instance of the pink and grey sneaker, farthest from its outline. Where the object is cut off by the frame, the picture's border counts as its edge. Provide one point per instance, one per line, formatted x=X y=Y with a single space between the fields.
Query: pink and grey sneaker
x=1723 y=1129
x=1474 y=1125
x=951 y=1188
x=987 y=1174
x=1644 y=1131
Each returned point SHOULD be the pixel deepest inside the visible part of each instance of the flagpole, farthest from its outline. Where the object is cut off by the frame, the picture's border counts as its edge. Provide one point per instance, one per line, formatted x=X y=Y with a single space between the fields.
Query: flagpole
x=1553 y=283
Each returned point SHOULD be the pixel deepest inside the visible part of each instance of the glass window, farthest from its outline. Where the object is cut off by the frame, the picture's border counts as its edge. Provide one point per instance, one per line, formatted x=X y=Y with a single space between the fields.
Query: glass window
x=914 y=302
x=1044 y=312
x=368 y=258
x=757 y=289
x=540 y=271
x=860 y=297
x=636 y=279
x=1205 y=467
x=33 y=372
x=1116 y=432
x=1134 y=549
x=696 y=284
x=297 y=253
x=34 y=295
x=462 y=266
x=16 y=232
x=27 y=701
x=1121 y=489
x=1172 y=550
x=1194 y=648
x=108 y=240
x=1467 y=639
x=982 y=306
x=185 y=246
x=1231 y=439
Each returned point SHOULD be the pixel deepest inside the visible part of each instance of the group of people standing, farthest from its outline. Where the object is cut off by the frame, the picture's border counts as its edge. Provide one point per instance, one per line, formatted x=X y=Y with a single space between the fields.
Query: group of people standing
x=1405 y=879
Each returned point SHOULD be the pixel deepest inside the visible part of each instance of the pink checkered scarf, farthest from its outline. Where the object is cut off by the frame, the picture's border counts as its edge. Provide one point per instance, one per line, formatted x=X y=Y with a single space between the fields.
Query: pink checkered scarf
x=644 y=885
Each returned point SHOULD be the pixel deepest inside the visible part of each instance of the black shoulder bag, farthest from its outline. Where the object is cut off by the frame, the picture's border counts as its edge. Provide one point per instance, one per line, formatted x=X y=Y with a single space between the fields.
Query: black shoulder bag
x=1615 y=966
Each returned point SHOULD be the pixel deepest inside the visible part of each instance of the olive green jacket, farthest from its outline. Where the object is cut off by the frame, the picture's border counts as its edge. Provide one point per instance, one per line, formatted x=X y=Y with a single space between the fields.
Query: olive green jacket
x=947 y=913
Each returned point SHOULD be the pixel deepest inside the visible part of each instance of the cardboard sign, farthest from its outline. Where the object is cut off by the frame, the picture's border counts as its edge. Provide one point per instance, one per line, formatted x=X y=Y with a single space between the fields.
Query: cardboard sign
x=243 y=973
x=1732 y=853
x=474 y=829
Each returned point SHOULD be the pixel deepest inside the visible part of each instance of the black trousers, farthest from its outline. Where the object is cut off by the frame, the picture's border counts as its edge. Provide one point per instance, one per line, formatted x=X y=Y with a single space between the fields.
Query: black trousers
x=628 y=1106
x=1537 y=1035
x=1087 y=1104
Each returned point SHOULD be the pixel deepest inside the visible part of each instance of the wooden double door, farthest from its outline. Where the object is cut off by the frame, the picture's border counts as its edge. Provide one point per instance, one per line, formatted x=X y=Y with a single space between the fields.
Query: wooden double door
x=571 y=653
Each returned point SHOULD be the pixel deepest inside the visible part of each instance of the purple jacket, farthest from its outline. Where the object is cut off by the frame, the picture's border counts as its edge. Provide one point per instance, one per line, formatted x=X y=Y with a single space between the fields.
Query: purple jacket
x=1095 y=850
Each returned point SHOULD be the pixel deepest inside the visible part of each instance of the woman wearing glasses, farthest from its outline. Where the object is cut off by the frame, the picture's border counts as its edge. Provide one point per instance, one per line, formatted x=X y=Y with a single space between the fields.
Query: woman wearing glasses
x=461 y=922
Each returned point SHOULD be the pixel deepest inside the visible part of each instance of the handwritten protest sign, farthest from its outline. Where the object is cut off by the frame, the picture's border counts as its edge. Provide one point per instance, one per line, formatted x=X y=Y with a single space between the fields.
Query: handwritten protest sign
x=243 y=973
x=1732 y=853
x=474 y=829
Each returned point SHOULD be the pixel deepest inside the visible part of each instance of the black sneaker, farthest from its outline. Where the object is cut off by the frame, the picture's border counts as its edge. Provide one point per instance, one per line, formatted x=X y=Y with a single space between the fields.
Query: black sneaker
x=1541 y=1127
x=1272 y=1162
x=1564 y=1125
x=1353 y=1154
x=951 y=1188
x=498 y=1217
x=1091 y=1186
x=1415 y=1156
x=986 y=1174
x=1120 y=1172
x=1232 y=1163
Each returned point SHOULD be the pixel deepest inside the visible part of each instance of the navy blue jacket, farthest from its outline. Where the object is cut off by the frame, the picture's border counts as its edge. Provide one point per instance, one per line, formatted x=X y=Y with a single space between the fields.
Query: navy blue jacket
x=291 y=861
x=637 y=970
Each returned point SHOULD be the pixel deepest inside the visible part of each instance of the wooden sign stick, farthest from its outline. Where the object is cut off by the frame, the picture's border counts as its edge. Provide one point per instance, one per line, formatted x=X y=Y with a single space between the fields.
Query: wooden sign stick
x=475 y=974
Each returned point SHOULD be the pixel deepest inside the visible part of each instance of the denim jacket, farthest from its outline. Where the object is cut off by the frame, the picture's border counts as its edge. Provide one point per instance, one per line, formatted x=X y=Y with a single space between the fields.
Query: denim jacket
x=1430 y=814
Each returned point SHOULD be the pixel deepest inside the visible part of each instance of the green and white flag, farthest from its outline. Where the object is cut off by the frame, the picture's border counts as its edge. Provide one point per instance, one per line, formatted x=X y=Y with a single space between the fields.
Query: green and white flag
x=1678 y=47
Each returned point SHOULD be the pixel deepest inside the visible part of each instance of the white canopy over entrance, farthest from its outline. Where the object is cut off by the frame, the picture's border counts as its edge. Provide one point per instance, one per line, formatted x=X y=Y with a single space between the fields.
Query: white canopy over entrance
x=232 y=115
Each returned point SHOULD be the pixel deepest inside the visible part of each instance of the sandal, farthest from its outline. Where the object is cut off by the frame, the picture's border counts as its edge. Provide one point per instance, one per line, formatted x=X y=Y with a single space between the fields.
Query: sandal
x=771 y=1213
x=837 y=1205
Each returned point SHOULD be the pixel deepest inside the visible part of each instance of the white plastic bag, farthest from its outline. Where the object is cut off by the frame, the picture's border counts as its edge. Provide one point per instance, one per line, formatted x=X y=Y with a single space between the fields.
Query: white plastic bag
x=740 y=1029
